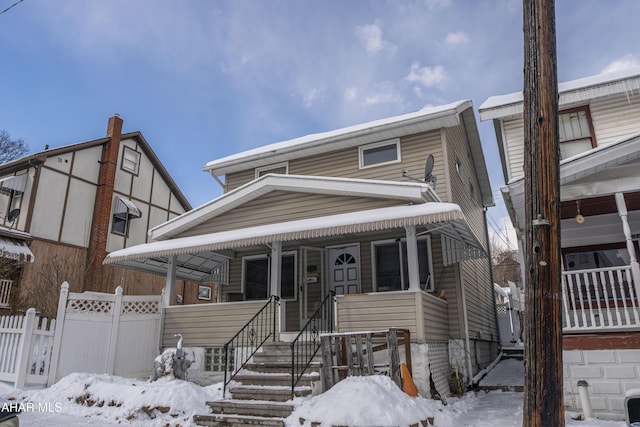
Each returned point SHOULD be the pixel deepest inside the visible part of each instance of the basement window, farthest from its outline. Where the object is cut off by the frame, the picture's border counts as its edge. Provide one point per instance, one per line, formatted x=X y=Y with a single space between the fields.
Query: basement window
x=379 y=153
x=214 y=359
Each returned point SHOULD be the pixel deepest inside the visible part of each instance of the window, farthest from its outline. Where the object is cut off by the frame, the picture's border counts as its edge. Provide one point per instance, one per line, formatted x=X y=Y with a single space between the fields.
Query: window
x=575 y=132
x=380 y=153
x=214 y=359
x=124 y=210
x=281 y=168
x=130 y=160
x=391 y=271
x=257 y=272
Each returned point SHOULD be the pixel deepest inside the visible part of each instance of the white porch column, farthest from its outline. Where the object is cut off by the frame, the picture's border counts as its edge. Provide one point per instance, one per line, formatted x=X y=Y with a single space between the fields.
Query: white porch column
x=635 y=267
x=412 y=258
x=170 y=284
x=276 y=267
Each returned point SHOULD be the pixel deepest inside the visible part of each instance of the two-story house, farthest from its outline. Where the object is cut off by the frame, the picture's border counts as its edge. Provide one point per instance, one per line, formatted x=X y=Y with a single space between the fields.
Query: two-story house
x=351 y=211
x=599 y=143
x=63 y=209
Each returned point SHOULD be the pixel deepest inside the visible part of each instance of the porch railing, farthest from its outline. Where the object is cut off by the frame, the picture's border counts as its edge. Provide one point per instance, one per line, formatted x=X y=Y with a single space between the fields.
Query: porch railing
x=5 y=292
x=244 y=344
x=602 y=298
x=306 y=344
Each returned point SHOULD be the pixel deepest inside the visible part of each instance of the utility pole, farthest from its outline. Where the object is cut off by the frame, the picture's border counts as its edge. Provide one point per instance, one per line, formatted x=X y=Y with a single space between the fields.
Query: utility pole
x=543 y=402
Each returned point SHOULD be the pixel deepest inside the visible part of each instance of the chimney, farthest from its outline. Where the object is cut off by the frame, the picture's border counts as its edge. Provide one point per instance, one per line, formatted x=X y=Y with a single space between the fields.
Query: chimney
x=101 y=221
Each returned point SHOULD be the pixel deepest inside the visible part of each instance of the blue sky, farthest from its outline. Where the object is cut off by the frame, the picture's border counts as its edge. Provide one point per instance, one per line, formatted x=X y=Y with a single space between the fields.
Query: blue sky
x=202 y=79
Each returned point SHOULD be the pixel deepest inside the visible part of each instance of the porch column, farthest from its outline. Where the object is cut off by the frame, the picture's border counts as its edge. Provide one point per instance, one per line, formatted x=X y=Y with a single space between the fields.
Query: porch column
x=635 y=267
x=412 y=258
x=170 y=284
x=276 y=266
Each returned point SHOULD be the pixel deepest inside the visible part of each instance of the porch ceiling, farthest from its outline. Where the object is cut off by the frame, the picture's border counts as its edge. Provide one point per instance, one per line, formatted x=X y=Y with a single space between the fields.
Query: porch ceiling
x=197 y=256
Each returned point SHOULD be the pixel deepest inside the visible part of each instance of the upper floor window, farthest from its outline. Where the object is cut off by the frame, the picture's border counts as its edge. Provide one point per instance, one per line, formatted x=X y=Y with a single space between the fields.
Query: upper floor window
x=281 y=168
x=123 y=212
x=575 y=131
x=130 y=160
x=380 y=153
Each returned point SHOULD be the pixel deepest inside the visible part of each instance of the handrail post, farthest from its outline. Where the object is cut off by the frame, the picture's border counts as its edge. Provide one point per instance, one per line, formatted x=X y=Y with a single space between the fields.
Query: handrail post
x=273 y=308
x=226 y=368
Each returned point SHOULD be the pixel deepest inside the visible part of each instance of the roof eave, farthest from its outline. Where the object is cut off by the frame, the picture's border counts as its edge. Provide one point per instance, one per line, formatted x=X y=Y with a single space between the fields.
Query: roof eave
x=361 y=134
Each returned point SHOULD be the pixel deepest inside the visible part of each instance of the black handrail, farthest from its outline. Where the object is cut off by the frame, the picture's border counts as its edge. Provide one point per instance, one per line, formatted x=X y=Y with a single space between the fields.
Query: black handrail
x=250 y=338
x=307 y=343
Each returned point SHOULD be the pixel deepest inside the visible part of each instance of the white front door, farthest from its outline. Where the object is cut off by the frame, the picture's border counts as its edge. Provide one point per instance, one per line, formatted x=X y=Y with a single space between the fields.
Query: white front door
x=344 y=269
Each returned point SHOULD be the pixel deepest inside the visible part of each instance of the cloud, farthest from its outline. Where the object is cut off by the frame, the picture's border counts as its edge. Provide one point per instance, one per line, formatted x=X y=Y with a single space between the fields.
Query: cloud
x=372 y=36
x=312 y=96
x=457 y=38
x=428 y=76
x=627 y=61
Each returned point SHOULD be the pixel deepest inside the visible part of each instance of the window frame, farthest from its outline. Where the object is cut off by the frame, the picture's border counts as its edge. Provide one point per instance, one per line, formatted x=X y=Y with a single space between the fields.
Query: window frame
x=245 y=259
x=137 y=154
x=592 y=135
x=264 y=170
x=122 y=217
x=427 y=287
x=388 y=142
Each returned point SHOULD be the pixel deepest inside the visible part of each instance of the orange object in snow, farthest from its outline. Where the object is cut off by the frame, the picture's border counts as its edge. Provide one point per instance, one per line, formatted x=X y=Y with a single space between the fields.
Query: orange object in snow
x=408 y=386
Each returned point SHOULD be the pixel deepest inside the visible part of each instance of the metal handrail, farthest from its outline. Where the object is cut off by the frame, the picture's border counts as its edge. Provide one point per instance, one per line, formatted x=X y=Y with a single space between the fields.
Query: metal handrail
x=250 y=338
x=307 y=343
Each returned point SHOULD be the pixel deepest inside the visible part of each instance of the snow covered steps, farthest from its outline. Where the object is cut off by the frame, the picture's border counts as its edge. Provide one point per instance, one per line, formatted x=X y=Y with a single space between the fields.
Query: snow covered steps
x=264 y=390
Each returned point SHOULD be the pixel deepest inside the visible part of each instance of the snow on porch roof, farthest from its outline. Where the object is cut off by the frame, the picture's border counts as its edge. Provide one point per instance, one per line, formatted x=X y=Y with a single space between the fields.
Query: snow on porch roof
x=327 y=226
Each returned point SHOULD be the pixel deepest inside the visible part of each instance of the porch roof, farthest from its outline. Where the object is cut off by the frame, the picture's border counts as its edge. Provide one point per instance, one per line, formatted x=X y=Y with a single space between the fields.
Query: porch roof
x=197 y=256
x=605 y=170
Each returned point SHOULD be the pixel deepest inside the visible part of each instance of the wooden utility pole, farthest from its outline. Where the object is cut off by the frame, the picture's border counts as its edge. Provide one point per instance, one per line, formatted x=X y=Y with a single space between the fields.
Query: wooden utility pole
x=543 y=402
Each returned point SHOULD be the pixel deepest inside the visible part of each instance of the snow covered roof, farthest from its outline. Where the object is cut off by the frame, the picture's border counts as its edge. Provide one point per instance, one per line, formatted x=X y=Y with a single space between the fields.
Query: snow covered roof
x=410 y=192
x=428 y=118
x=570 y=92
x=448 y=215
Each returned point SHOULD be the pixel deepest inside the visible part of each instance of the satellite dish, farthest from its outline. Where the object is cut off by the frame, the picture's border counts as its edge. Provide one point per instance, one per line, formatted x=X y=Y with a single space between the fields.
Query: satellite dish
x=13 y=215
x=428 y=168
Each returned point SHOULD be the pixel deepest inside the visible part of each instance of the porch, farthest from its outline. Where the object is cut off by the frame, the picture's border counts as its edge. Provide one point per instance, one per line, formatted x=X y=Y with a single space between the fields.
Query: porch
x=600 y=300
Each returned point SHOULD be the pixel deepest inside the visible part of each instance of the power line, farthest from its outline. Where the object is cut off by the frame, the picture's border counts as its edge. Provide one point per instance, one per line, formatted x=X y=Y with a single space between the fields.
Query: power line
x=13 y=5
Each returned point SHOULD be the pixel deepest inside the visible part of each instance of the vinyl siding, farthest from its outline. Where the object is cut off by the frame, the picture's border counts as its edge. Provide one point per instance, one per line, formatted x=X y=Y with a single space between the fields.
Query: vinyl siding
x=445 y=280
x=435 y=316
x=345 y=163
x=479 y=297
x=613 y=117
x=377 y=312
x=206 y=325
x=465 y=189
x=281 y=206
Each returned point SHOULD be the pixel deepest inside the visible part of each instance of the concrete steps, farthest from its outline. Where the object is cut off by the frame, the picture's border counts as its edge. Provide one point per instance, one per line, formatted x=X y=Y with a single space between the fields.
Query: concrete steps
x=263 y=390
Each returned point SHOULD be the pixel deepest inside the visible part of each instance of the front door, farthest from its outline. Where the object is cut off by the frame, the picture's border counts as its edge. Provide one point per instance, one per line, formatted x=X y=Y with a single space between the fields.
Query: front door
x=344 y=269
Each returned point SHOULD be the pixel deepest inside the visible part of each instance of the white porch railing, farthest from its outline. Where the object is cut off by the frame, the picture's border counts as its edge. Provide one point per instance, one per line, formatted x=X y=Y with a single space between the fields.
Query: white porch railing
x=597 y=299
x=5 y=291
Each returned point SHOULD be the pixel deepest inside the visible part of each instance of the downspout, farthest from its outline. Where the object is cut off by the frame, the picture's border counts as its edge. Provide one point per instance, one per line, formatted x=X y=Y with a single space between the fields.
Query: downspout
x=495 y=310
x=220 y=183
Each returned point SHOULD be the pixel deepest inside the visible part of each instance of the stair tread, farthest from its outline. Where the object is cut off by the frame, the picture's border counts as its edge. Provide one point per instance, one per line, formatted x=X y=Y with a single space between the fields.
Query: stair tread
x=257 y=403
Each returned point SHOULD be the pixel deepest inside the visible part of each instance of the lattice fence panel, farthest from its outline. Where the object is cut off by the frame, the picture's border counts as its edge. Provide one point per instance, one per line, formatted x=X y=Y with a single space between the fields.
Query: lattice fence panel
x=439 y=368
x=90 y=306
x=140 y=307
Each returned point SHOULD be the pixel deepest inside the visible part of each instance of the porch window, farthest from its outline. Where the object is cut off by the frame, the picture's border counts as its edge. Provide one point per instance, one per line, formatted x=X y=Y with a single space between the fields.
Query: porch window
x=257 y=271
x=576 y=132
x=391 y=271
x=380 y=153
x=597 y=258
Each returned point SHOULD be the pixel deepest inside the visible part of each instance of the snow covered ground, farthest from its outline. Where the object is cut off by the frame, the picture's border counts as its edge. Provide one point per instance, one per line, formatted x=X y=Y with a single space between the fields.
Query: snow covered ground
x=102 y=400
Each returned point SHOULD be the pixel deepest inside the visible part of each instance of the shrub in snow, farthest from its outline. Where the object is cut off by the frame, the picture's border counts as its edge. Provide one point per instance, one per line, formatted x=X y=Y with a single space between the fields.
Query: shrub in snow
x=173 y=363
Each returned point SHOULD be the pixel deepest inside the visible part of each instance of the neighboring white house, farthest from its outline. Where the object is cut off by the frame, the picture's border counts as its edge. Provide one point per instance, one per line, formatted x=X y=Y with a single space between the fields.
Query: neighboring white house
x=599 y=130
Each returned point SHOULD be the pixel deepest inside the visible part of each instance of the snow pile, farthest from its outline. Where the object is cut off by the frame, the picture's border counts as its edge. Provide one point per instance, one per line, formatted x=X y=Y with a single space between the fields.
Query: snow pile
x=363 y=401
x=104 y=398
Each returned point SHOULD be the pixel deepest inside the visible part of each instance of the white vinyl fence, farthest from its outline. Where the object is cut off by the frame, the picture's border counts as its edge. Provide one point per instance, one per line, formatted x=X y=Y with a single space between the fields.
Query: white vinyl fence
x=105 y=333
x=25 y=348
x=93 y=332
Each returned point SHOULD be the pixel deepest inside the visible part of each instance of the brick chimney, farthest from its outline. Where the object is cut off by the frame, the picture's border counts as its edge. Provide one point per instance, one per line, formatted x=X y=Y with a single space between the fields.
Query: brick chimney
x=101 y=221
